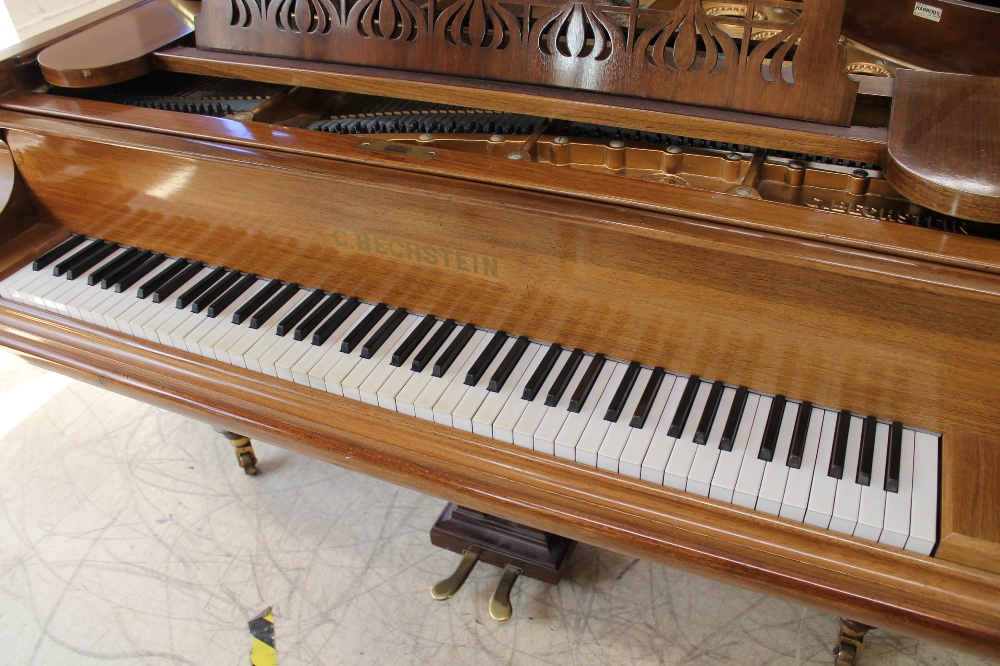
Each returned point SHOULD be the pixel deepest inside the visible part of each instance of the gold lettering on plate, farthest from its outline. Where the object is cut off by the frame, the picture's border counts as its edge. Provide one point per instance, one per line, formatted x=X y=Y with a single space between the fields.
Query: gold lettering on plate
x=435 y=256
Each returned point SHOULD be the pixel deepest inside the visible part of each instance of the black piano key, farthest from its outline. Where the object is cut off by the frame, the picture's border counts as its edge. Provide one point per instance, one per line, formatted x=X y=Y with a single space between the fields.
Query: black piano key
x=256 y=301
x=112 y=266
x=427 y=352
x=867 y=455
x=198 y=289
x=508 y=364
x=336 y=320
x=363 y=328
x=646 y=399
x=798 y=447
x=78 y=256
x=733 y=422
x=212 y=294
x=292 y=319
x=56 y=252
x=415 y=337
x=162 y=278
x=894 y=455
x=384 y=332
x=684 y=407
x=84 y=265
x=770 y=440
x=839 y=454
x=708 y=415
x=586 y=384
x=129 y=266
x=478 y=368
x=316 y=317
x=449 y=355
x=177 y=281
x=230 y=295
x=142 y=270
x=541 y=372
x=562 y=379
x=262 y=316
x=623 y=392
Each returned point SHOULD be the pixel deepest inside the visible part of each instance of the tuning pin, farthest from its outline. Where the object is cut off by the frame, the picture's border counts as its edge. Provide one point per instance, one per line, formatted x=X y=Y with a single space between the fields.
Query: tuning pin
x=500 y=608
x=446 y=589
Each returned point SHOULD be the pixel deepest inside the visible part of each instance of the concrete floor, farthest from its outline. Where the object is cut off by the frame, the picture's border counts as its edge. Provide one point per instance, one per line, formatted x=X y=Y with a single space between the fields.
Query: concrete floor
x=128 y=535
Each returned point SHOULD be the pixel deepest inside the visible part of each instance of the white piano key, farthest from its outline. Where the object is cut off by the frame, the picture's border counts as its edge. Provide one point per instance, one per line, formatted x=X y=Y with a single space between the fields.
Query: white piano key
x=607 y=455
x=521 y=417
x=727 y=470
x=486 y=417
x=543 y=439
x=752 y=469
x=587 y=427
x=675 y=474
x=772 y=486
x=896 y=526
x=139 y=310
x=637 y=445
x=20 y=278
x=923 y=512
x=417 y=381
x=661 y=445
x=455 y=403
x=366 y=366
x=317 y=365
x=252 y=338
x=457 y=388
x=848 y=498
x=206 y=344
x=400 y=375
x=824 y=487
x=161 y=325
x=373 y=383
x=796 y=498
x=423 y=407
x=871 y=514
x=699 y=480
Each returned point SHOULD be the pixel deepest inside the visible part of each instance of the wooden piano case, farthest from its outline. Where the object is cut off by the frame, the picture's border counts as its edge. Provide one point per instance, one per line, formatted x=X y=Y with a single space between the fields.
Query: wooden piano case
x=868 y=316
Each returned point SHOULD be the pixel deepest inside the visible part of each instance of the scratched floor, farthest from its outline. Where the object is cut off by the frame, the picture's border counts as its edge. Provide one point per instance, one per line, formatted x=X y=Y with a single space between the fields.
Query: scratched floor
x=128 y=535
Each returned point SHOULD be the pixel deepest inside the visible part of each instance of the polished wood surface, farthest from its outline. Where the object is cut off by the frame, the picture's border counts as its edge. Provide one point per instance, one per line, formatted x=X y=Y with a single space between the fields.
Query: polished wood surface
x=944 y=143
x=887 y=587
x=842 y=229
x=16 y=211
x=118 y=49
x=839 y=327
x=962 y=40
x=787 y=63
x=858 y=142
x=970 y=513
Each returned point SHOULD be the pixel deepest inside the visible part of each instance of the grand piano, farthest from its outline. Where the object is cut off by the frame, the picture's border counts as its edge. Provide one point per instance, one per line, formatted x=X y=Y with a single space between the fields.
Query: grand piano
x=751 y=332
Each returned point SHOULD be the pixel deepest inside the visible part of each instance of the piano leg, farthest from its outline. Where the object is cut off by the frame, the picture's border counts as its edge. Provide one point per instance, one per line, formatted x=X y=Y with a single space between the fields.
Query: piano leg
x=518 y=549
x=244 y=451
x=850 y=642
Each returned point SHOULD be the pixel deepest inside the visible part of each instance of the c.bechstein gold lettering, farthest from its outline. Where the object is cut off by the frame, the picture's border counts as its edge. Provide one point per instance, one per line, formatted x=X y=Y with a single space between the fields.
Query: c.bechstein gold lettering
x=401 y=249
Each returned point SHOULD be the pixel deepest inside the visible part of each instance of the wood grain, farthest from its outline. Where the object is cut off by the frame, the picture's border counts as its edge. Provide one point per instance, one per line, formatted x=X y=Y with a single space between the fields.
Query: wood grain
x=118 y=49
x=861 y=143
x=962 y=41
x=882 y=586
x=823 y=226
x=944 y=143
x=877 y=335
x=970 y=515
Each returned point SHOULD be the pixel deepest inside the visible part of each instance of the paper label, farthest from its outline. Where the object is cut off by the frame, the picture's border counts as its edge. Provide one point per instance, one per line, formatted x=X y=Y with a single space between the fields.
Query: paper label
x=928 y=12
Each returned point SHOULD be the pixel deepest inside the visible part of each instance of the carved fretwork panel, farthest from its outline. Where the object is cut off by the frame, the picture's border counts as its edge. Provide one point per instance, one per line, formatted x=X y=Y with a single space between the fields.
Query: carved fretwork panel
x=775 y=57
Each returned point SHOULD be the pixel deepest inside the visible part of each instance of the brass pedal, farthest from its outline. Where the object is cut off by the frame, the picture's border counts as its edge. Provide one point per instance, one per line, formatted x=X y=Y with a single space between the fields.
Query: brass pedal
x=446 y=589
x=500 y=606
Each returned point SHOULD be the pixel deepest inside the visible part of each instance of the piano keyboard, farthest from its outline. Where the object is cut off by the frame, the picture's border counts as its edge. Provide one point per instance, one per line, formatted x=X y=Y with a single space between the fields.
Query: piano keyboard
x=832 y=469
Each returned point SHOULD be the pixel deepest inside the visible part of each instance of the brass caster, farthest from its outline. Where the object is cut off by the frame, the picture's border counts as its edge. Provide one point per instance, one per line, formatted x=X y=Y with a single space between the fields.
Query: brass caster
x=446 y=589
x=500 y=607
x=850 y=643
x=244 y=451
